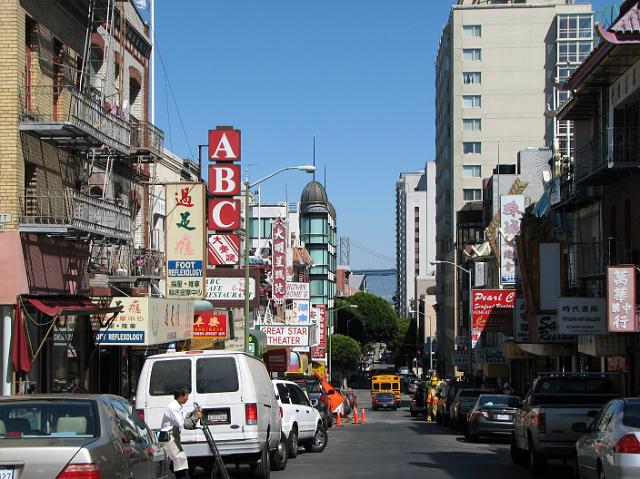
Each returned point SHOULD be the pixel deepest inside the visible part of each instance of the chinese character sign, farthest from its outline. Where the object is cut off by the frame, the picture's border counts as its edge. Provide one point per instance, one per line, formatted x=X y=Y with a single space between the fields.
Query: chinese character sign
x=279 y=261
x=223 y=249
x=511 y=211
x=581 y=316
x=185 y=240
x=621 y=299
x=210 y=325
x=319 y=316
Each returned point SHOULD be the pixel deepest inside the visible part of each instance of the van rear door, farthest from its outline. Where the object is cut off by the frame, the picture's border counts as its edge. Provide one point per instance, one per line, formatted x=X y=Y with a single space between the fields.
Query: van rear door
x=162 y=379
x=218 y=390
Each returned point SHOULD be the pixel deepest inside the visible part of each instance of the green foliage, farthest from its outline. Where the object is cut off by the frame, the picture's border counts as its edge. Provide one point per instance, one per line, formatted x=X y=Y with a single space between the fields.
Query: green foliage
x=379 y=321
x=345 y=351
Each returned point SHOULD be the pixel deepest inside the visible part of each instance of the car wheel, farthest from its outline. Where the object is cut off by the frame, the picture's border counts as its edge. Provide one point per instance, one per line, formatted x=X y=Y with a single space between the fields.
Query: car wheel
x=518 y=456
x=537 y=462
x=319 y=441
x=293 y=443
x=262 y=469
x=280 y=456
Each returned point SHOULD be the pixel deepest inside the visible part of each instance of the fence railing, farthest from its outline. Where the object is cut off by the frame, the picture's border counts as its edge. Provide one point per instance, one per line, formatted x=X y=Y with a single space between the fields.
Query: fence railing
x=145 y=135
x=66 y=104
x=76 y=211
x=613 y=147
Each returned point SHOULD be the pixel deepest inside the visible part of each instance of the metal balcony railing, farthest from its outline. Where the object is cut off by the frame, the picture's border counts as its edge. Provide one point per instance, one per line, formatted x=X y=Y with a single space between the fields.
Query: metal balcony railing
x=68 y=212
x=147 y=262
x=613 y=148
x=146 y=136
x=69 y=117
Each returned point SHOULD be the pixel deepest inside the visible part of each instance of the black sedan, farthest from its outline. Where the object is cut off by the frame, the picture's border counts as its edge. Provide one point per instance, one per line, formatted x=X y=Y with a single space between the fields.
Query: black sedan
x=384 y=401
x=491 y=415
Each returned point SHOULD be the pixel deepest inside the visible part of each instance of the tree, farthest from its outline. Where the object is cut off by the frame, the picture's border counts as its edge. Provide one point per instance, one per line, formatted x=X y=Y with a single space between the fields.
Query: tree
x=346 y=320
x=379 y=321
x=345 y=352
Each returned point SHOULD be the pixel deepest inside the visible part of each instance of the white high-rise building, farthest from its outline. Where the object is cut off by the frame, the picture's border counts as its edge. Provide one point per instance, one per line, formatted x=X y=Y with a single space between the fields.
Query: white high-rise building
x=498 y=67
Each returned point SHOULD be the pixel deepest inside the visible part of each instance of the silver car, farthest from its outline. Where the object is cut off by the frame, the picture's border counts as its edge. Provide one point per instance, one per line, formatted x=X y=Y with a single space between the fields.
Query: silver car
x=76 y=435
x=610 y=447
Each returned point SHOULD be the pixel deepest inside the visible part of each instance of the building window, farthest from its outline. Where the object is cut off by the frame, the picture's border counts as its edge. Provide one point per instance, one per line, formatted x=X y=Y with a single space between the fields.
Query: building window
x=573 y=52
x=472 y=124
x=471 y=147
x=472 y=194
x=471 y=31
x=471 y=54
x=471 y=101
x=471 y=78
x=471 y=171
x=574 y=26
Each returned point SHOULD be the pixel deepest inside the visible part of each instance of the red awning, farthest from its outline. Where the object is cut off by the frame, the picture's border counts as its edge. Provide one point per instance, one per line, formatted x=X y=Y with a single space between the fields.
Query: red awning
x=67 y=305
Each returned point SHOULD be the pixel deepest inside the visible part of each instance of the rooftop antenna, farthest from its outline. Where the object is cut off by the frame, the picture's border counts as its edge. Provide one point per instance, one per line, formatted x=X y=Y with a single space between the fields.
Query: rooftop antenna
x=314 y=156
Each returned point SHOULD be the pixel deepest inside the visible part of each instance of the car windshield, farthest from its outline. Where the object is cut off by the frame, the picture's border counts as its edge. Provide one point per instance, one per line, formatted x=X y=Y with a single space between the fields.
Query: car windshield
x=48 y=418
x=498 y=400
x=384 y=396
x=631 y=415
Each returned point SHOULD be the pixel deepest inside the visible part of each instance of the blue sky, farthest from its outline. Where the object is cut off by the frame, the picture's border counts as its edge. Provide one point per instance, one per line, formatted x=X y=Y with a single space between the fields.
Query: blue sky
x=358 y=74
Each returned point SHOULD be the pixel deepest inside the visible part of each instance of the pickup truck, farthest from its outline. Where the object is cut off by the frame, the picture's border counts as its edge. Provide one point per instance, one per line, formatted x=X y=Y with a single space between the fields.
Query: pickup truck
x=542 y=426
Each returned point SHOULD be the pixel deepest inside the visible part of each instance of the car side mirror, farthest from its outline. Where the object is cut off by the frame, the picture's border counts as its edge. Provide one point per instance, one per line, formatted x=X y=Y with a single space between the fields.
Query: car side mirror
x=314 y=402
x=579 y=427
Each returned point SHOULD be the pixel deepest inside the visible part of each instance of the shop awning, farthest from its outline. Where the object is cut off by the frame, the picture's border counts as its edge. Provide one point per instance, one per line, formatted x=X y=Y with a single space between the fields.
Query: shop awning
x=67 y=305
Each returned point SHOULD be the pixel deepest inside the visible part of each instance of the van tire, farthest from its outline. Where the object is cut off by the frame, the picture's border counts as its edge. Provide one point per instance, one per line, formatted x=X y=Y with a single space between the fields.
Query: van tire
x=262 y=469
x=319 y=441
x=280 y=456
x=293 y=442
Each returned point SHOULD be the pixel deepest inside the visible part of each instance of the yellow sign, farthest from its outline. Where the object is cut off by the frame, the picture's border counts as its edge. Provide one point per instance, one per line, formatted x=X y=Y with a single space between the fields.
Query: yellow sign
x=185 y=240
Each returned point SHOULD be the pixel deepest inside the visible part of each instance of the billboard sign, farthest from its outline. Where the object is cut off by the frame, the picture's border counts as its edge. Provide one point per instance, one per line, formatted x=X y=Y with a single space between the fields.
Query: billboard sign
x=286 y=335
x=224 y=144
x=224 y=179
x=297 y=291
x=581 y=316
x=228 y=289
x=223 y=249
x=146 y=321
x=621 y=299
x=211 y=325
x=319 y=316
x=520 y=324
x=224 y=214
x=185 y=238
x=511 y=211
x=279 y=261
x=492 y=310
x=545 y=328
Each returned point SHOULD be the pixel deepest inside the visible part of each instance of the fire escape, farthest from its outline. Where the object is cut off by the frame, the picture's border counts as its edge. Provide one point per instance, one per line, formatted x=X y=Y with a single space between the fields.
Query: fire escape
x=91 y=118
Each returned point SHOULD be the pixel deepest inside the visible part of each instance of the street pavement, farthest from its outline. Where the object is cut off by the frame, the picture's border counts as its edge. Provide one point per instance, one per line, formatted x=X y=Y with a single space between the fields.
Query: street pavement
x=394 y=445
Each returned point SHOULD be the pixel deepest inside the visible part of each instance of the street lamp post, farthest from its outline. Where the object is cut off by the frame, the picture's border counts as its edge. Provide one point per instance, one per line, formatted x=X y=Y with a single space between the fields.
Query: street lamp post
x=468 y=271
x=247 y=187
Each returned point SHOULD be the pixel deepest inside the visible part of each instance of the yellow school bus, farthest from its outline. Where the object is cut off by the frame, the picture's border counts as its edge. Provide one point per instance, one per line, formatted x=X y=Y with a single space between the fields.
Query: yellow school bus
x=386 y=382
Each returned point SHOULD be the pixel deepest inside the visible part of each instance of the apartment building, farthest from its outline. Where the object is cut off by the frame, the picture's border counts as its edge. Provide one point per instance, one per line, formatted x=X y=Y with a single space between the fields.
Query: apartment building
x=498 y=67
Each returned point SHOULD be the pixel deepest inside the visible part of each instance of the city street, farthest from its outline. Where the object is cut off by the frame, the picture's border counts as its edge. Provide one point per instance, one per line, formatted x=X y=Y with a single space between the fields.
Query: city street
x=393 y=444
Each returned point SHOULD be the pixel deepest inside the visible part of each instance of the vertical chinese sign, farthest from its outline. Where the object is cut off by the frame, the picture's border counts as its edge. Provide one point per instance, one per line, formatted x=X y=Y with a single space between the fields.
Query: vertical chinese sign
x=319 y=314
x=511 y=211
x=185 y=237
x=223 y=243
x=621 y=299
x=279 y=261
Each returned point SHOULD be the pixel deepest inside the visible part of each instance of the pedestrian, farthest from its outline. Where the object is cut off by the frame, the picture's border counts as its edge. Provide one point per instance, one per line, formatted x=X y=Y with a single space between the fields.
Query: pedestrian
x=173 y=421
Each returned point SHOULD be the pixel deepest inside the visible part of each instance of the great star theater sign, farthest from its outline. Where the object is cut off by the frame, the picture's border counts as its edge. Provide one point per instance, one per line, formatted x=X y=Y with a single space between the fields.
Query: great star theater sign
x=283 y=335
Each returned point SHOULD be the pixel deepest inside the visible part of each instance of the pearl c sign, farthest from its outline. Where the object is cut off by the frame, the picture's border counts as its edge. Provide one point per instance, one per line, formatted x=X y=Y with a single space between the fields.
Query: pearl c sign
x=224 y=214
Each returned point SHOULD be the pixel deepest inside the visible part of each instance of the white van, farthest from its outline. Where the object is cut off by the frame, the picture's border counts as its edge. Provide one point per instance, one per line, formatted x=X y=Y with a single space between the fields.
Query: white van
x=237 y=398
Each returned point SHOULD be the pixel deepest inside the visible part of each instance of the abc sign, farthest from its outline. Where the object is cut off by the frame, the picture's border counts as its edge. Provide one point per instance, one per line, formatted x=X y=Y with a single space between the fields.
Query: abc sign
x=224 y=179
x=224 y=214
x=224 y=145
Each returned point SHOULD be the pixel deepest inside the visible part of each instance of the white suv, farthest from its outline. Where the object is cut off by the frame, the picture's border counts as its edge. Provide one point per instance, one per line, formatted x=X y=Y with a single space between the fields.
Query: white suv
x=301 y=421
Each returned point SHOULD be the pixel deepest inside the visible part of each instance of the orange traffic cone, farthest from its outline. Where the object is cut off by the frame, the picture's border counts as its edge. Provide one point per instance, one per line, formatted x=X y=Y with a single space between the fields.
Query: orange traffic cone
x=339 y=419
x=364 y=416
x=356 y=419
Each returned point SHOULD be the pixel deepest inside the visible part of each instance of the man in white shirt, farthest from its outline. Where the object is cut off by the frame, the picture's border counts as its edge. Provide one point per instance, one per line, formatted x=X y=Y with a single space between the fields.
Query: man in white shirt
x=173 y=421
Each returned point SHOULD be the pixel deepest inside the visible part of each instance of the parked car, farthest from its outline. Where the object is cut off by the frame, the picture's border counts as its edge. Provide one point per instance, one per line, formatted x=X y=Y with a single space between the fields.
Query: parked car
x=301 y=422
x=543 y=426
x=66 y=435
x=419 y=400
x=237 y=398
x=314 y=390
x=443 y=412
x=610 y=447
x=465 y=398
x=492 y=414
x=384 y=401
x=413 y=385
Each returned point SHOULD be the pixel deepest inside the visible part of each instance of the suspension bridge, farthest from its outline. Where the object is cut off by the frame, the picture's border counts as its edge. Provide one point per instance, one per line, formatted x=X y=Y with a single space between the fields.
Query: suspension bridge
x=369 y=262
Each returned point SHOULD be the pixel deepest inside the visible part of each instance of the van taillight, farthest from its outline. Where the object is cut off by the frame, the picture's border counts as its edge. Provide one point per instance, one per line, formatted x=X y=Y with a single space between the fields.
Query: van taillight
x=140 y=413
x=627 y=444
x=251 y=413
x=539 y=421
x=80 y=471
